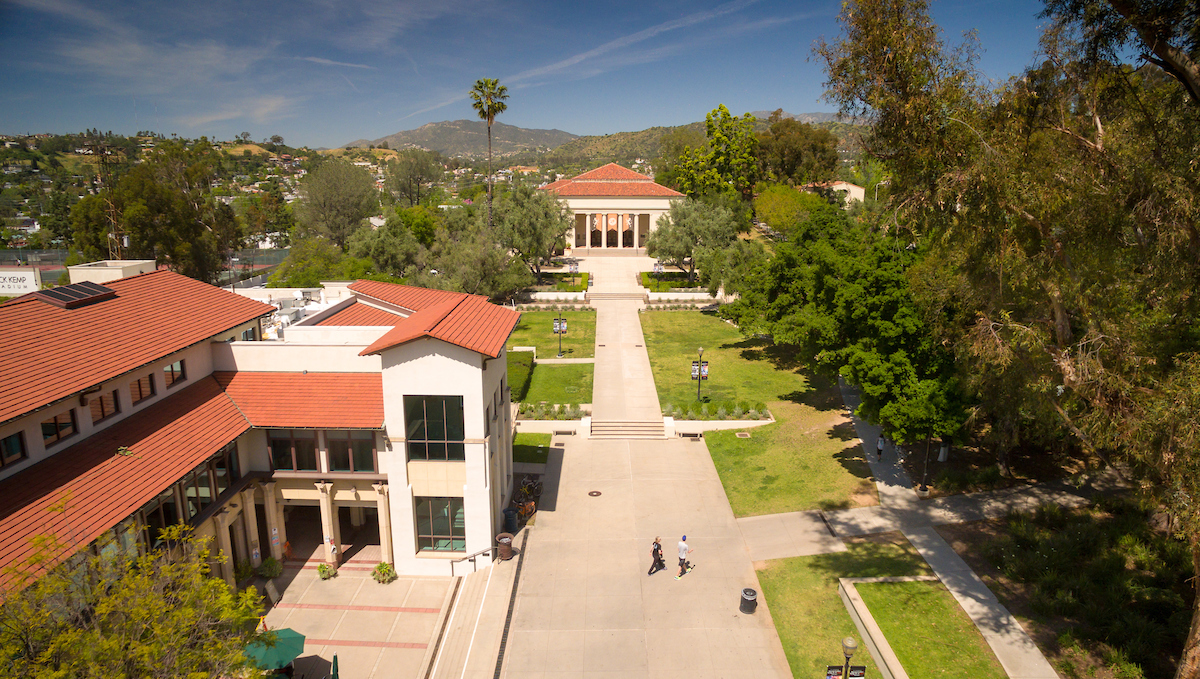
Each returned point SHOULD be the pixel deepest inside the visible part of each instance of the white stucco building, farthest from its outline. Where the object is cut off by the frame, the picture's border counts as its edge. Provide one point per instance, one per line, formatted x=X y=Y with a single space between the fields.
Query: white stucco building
x=615 y=208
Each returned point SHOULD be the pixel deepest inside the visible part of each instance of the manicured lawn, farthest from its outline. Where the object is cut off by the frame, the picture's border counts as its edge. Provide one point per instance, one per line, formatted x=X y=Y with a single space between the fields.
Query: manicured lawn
x=807 y=459
x=563 y=282
x=668 y=280
x=928 y=630
x=530 y=447
x=536 y=329
x=808 y=613
x=567 y=383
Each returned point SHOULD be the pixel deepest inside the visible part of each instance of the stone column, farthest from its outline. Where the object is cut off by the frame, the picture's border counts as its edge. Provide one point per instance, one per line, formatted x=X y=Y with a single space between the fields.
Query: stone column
x=385 y=522
x=221 y=519
x=239 y=537
x=329 y=522
x=276 y=535
x=250 y=517
x=603 y=219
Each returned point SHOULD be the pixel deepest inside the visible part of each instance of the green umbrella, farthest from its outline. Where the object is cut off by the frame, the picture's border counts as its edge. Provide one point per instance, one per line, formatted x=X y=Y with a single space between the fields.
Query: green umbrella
x=334 y=674
x=289 y=644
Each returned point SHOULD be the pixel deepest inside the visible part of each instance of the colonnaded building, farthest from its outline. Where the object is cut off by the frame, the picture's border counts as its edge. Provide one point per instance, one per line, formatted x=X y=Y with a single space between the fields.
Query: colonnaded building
x=131 y=404
x=615 y=208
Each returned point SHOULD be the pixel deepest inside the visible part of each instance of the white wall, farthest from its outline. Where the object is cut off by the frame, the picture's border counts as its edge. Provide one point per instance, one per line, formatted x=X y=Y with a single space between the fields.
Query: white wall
x=274 y=356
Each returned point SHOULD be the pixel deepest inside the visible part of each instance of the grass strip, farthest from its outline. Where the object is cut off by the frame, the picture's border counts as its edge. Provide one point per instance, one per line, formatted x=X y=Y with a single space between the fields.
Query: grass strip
x=536 y=329
x=929 y=632
x=565 y=383
x=530 y=447
x=808 y=613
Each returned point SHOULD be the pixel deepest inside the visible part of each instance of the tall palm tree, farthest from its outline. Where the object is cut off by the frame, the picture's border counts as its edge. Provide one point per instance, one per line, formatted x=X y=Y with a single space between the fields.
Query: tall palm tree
x=488 y=96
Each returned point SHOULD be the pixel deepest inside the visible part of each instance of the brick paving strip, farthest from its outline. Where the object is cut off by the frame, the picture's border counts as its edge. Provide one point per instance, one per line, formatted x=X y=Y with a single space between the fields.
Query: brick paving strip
x=377 y=609
x=363 y=644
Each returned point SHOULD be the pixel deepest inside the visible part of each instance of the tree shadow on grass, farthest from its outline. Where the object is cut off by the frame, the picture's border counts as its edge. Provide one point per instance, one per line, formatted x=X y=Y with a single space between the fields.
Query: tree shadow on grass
x=887 y=554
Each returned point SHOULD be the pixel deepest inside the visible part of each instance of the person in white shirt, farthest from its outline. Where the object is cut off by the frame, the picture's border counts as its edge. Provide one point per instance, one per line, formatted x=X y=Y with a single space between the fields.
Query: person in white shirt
x=684 y=550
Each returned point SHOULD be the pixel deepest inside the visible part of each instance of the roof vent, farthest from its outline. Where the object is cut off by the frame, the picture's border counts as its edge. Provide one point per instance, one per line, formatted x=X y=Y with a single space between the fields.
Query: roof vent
x=75 y=295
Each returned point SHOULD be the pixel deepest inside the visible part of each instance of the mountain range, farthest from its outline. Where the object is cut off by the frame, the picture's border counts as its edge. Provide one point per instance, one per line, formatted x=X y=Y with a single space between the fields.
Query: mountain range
x=469 y=138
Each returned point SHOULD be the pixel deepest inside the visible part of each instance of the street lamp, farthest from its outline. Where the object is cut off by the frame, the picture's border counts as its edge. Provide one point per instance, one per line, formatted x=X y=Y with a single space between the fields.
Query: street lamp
x=849 y=646
x=701 y=367
x=885 y=181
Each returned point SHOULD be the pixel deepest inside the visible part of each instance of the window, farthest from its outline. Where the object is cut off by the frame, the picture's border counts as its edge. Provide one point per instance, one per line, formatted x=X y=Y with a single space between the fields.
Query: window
x=142 y=388
x=487 y=421
x=225 y=468
x=58 y=427
x=12 y=449
x=441 y=526
x=249 y=334
x=293 y=449
x=434 y=427
x=174 y=373
x=351 y=451
x=104 y=406
x=158 y=514
x=197 y=490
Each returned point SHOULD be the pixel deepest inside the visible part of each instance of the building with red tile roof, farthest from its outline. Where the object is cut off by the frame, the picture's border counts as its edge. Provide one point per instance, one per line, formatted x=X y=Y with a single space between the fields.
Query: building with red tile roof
x=154 y=399
x=614 y=207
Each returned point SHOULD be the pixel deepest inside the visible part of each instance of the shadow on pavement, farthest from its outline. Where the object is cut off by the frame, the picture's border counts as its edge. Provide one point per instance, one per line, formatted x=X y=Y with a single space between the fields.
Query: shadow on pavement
x=551 y=479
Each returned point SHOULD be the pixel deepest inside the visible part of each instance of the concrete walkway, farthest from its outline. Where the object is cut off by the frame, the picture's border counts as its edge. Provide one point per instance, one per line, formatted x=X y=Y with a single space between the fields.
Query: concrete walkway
x=623 y=385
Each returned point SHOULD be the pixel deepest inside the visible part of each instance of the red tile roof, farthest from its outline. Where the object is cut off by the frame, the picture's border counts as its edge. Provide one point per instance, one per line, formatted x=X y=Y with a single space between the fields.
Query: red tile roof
x=102 y=487
x=611 y=180
x=307 y=400
x=48 y=353
x=361 y=314
x=469 y=321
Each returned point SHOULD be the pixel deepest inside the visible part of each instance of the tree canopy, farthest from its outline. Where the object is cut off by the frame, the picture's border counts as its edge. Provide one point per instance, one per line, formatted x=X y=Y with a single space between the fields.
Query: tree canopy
x=796 y=153
x=533 y=224
x=335 y=199
x=688 y=230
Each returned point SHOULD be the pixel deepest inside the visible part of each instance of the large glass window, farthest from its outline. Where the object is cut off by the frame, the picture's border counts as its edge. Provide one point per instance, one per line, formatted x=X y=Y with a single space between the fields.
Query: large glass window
x=160 y=513
x=434 y=427
x=174 y=373
x=12 y=449
x=142 y=388
x=351 y=451
x=58 y=427
x=293 y=449
x=441 y=526
x=104 y=406
x=198 y=489
x=225 y=468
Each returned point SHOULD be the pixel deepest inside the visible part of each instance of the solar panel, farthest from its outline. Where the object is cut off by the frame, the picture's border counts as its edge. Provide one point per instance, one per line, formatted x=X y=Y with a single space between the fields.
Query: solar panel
x=75 y=295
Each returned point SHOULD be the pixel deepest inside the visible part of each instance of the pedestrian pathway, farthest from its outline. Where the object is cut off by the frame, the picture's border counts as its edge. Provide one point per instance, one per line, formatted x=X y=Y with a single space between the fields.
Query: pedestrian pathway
x=623 y=385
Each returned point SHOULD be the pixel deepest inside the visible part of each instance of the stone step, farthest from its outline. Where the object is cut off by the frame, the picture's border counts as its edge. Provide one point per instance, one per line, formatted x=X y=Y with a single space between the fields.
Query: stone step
x=452 y=653
x=628 y=429
x=595 y=296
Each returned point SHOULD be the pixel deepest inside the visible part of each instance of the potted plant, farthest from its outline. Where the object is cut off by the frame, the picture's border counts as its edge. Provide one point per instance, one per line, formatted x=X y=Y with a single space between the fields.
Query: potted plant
x=384 y=573
x=327 y=571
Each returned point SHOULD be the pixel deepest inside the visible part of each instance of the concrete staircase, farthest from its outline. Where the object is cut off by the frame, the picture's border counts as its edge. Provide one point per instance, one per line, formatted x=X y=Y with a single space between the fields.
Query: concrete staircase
x=471 y=641
x=627 y=429
x=640 y=296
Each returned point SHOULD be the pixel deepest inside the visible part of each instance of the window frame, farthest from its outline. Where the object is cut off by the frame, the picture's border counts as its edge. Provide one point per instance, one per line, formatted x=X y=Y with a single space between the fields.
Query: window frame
x=6 y=460
x=292 y=438
x=59 y=437
x=418 y=436
x=115 y=395
x=335 y=436
x=173 y=375
x=457 y=543
x=137 y=396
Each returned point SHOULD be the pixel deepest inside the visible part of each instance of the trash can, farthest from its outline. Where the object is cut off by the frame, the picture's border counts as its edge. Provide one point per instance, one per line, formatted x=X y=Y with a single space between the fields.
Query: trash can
x=505 y=542
x=510 y=520
x=749 y=600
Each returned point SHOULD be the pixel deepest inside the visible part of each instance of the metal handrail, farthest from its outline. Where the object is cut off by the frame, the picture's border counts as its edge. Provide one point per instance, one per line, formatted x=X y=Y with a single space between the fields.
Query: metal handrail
x=472 y=557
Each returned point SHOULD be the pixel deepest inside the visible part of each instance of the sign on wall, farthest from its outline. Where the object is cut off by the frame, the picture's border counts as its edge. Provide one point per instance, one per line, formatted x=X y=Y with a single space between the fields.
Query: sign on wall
x=15 y=282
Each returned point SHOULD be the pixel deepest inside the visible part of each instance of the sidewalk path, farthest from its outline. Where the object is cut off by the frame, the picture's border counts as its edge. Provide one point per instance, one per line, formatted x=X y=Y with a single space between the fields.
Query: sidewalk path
x=623 y=385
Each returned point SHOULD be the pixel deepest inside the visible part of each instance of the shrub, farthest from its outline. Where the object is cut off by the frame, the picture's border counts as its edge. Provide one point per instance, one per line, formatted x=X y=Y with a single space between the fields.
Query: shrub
x=704 y=412
x=668 y=409
x=738 y=413
x=384 y=573
x=327 y=571
x=520 y=369
x=754 y=415
x=721 y=414
x=270 y=568
x=243 y=570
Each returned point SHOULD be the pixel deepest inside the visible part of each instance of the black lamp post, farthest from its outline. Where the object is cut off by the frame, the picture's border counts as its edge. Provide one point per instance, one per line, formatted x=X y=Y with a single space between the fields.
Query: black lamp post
x=699 y=372
x=561 y=331
x=849 y=646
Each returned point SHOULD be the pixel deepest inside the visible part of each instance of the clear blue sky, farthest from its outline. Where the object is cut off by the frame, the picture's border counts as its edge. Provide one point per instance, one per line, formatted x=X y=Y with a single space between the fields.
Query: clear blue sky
x=326 y=72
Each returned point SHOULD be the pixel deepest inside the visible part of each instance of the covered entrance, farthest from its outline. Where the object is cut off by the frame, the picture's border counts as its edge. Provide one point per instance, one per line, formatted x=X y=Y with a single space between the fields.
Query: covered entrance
x=357 y=532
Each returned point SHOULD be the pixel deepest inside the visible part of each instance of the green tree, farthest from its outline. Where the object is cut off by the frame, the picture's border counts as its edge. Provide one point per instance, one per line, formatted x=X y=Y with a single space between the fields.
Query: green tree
x=313 y=260
x=488 y=97
x=160 y=614
x=533 y=224
x=411 y=173
x=784 y=208
x=268 y=217
x=726 y=161
x=688 y=230
x=796 y=153
x=394 y=247
x=335 y=199
x=467 y=257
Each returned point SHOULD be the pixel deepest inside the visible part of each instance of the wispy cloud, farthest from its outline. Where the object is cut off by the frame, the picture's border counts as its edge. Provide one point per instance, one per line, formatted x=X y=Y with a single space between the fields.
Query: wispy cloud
x=261 y=109
x=331 y=62
x=631 y=39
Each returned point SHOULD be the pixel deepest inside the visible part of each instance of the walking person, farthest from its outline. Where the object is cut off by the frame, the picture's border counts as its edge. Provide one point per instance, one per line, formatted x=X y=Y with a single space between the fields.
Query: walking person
x=685 y=566
x=657 y=564
x=879 y=449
